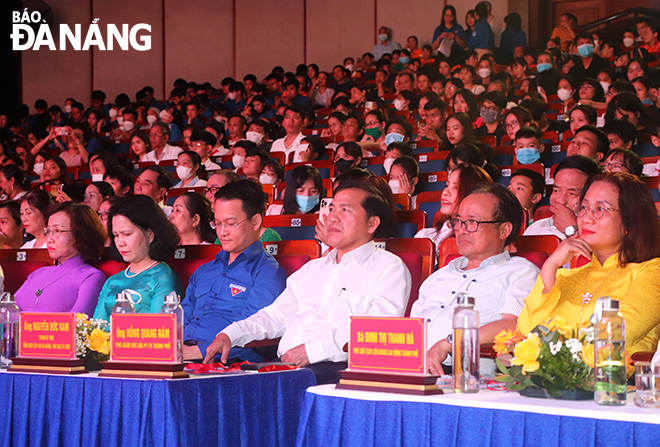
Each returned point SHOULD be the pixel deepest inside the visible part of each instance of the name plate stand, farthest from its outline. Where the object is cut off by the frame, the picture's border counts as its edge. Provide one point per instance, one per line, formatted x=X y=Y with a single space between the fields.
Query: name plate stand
x=388 y=354
x=47 y=344
x=144 y=346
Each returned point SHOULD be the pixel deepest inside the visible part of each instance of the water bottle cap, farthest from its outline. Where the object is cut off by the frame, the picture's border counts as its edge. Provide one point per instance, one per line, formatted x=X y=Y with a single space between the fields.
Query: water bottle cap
x=172 y=297
x=464 y=300
x=7 y=298
x=610 y=304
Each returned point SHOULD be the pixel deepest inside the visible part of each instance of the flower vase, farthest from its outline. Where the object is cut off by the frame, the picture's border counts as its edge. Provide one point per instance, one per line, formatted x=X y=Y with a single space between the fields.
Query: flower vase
x=563 y=394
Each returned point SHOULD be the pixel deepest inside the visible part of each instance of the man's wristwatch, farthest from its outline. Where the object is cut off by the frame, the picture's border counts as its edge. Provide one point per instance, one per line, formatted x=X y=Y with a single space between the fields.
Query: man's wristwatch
x=570 y=230
x=450 y=338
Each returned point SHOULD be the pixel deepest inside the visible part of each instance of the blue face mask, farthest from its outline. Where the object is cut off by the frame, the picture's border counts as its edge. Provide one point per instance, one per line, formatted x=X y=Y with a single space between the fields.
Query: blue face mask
x=393 y=138
x=527 y=155
x=585 y=50
x=404 y=60
x=543 y=67
x=307 y=203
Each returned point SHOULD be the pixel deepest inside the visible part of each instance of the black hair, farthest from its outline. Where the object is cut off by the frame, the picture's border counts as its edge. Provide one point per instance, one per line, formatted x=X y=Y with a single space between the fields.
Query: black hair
x=530 y=132
x=14 y=209
x=298 y=177
x=374 y=204
x=198 y=204
x=471 y=101
x=628 y=102
x=163 y=180
x=497 y=98
x=589 y=112
x=407 y=127
x=120 y=173
x=621 y=128
x=403 y=148
x=535 y=106
x=436 y=104
x=508 y=207
x=538 y=182
x=249 y=192
x=276 y=166
x=602 y=144
x=586 y=165
x=409 y=165
x=629 y=158
x=16 y=173
x=207 y=137
x=104 y=188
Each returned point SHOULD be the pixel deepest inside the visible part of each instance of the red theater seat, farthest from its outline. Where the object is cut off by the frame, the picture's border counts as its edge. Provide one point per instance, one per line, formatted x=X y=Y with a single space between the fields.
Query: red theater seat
x=17 y=264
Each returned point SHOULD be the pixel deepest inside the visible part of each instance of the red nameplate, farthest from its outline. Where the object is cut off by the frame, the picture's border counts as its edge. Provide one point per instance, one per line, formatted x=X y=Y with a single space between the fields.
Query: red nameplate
x=143 y=338
x=47 y=335
x=388 y=345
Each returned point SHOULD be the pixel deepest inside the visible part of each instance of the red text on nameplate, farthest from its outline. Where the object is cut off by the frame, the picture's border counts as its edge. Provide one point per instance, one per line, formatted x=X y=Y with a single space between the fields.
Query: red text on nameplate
x=387 y=345
x=50 y=335
x=143 y=338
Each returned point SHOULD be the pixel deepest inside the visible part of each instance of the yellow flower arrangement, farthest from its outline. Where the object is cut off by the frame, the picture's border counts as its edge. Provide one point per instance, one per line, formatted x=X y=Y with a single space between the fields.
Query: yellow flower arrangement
x=92 y=339
x=588 y=354
x=505 y=340
x=526 y=353
x=99 y=341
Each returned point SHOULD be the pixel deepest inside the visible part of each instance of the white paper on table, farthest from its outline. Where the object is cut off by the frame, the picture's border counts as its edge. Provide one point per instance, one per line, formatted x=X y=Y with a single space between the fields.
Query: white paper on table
x=445 y=46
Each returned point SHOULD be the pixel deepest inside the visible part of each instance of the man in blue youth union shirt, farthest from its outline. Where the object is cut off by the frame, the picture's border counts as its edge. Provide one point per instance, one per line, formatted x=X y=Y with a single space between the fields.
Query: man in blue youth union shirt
x=242 y=279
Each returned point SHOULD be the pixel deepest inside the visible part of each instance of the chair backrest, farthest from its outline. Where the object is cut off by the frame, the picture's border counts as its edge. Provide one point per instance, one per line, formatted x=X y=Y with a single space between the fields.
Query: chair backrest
x=188 y=258
x=17 y=264
x=326 y=167
x=432 y=161
x=293 y=227
x=173 y=193
x=542 y=212
x=416 y=217
x=402 y=201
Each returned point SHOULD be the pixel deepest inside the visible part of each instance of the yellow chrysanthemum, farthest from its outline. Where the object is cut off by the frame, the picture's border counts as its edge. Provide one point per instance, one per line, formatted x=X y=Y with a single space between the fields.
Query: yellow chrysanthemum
x=588 y=354
x=99 y=341
x=505 y=340
x=527 y=353
x=559 y=323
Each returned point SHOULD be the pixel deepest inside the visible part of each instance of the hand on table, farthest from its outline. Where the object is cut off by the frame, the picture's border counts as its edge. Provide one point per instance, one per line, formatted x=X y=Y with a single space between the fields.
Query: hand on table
x=436 y=355
x=221 y=345
x=297 y=355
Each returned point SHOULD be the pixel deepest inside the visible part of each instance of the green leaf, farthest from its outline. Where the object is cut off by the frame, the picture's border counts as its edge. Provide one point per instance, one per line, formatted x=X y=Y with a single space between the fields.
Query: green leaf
x=503 y=369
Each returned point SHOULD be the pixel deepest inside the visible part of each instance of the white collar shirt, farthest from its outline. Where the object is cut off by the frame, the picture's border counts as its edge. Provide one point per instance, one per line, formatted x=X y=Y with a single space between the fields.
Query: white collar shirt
x=543 y=227
x=280 y=146
x=169 y=153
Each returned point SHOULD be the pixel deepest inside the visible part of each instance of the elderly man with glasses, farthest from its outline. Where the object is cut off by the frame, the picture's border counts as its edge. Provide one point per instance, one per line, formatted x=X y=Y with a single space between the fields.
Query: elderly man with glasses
x=159 y=134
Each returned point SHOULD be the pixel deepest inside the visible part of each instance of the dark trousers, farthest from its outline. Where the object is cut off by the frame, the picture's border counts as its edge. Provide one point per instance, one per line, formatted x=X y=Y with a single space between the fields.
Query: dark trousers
x=327 y=372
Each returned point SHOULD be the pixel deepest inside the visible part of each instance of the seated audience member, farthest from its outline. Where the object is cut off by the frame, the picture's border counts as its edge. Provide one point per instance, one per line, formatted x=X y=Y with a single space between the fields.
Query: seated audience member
x=395 y=150
x=589 y=142
x=96 y=193
x=404 y=177
x=623 y=160
x=627 y=106
x=515 y=119
x=529 y=188
x=590 y=63
x=348 y=155
x=436 y=114
x=620 y=133
x=12 y=182
x=143 y=238
x=140 y=145
x=217 y=180
x=191 y=216
x=188 y=170
x=236 y=128
x=202 y=143
x=528 y=145
x=292 y=142
x=491 y=113
x=121 y=180
x=488 y=220
x=272 y=173
x=570 y=177
x=99 y=163
x=292 y=96
x=75 y=237
x=241 y=280
x=255 y=158
x=335 y=127
x=302 y=194
x=33 y=215
x=618 y=230
x=159 y=134
x=74 y=139
x=154 y=182
x=321 y=94
x=582 y=115
x=54 y=173
x=461 y=180
x=11 y=227
x=354 y=279
x=472 y=154
x=104 y=212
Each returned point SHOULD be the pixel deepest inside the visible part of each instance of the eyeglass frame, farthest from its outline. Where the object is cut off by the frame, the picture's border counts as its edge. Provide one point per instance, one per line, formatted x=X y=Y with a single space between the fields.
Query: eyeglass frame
x=56 y=232
x=208 y=189
x=464 y=223
x=608 y=164
x=231 y=227
x=581 y=212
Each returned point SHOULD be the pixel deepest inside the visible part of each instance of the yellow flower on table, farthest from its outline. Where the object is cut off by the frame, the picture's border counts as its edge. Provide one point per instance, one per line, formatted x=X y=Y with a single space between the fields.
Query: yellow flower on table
x=527 y=353
x=559 y=324
x=99 y=341
x=505 y=340
x=588 y=354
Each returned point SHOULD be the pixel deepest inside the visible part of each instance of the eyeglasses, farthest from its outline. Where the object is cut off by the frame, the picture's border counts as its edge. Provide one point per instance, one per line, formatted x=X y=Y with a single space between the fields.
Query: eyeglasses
x=55 y=232
x=597 y=210
x=104 y=215
x=211 y=189
x=215 y=224
x=371 y=124
x=615 y=166
x=155 y=134
x=197 y=144
x=511 y=125
x=471 y=225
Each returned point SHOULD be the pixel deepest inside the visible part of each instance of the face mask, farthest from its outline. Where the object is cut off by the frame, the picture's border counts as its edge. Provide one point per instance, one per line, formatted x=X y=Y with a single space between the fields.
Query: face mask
x=67 y=109
x=585 y=50
x=97 y=177
x=238 y=161
x=606 y=86
x=484 y=72
x=393 y=138
x=373 y=132
x=543 y=67
x=382 y=37
x=399 y=104
x=387 y=164
x=489 y=116
x=112 y=113
x=343 y=165
x=307 y=203
x=232 y=95
x=628 y=42
x=38 y=168
x=127 y=126
x=266 y=179
x=184 y=172
x=255 y=137
x=564 y=94
x=151 y=119
x=404 y=60
x=349 y=67
x=395 y=187
x=527 y=155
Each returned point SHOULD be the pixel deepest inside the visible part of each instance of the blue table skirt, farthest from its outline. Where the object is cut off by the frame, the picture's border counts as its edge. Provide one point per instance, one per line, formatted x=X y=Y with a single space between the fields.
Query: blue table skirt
x=238 y=410
x=337 y=421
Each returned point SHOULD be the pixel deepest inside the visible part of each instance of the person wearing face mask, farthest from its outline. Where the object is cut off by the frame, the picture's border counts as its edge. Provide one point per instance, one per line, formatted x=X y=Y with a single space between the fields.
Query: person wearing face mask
x=235 y=101
x=491 y=113
x=566 y=90
x=303 y=193
x=404 y=178
x=590 y=63
x=188 y=170
x=126 y=125
x=347 y=156
x=240 y=151
x=385 y=44
x=528 y=145
x=396 y=150
x=272 y=173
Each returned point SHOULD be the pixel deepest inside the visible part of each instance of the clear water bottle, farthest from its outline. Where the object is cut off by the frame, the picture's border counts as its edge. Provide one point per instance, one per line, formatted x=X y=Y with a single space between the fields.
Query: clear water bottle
x=172 y=306
x=9 y=317
x=610 y=353
x=465 y=347
x=123 y=304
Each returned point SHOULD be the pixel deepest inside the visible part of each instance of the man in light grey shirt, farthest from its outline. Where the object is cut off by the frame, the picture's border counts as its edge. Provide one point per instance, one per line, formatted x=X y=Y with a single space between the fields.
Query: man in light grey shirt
x=385 y=44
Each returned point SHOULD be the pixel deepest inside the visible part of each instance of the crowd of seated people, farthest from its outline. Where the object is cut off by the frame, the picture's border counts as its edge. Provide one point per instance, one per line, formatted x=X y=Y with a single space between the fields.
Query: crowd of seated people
x=486 y=138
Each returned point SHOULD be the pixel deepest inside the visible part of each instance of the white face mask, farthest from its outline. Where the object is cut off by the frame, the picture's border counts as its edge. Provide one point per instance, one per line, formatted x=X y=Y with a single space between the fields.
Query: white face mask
x=38 y=168
x=67 y=109
x=387 y=164
x=97 y=177
x=628 y=42
x=484 y=72
x=232 y=95
x=127 y=126
x=564 y=94
x=255 y=137
x=112 y=113
x=151 y=119
x=399 y=104
x=395 y=187
x=184 y=172
x=218 y=118
x=238 y=161
x=349 y=67
x=606 y=86
x=266 y=179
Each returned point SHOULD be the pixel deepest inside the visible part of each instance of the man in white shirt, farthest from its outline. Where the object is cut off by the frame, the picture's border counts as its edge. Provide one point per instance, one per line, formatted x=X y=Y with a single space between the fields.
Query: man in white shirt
x=291 y=144
x=385 y=44
x=203 y=142
x=312 y=315
x=488 y=220
x=159 y=134
x=154 y=182
x=570 y=176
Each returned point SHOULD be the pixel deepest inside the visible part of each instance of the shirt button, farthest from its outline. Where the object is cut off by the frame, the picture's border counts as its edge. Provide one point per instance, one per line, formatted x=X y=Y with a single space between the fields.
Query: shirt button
x=215 y=294
x=464 y=276
x=442 y=307
x=453 y=293
x=428 y=320
x=224 y=274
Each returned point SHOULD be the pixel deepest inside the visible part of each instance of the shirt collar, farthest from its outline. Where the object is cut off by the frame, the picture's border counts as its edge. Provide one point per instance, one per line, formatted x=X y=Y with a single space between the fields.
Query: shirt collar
x=74 y=262
x=498 y=260
x=359 y=254
x=612 y=261
x=249 y=253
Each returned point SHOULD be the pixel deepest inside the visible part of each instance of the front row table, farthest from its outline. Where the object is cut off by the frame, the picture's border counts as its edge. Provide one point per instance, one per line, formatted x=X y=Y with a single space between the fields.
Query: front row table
x=332 y=417
x=247 y=409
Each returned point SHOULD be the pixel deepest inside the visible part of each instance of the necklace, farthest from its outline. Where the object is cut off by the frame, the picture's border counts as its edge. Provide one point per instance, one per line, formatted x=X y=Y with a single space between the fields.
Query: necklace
x=586 y=296
x=143 y=270
x=40 y=290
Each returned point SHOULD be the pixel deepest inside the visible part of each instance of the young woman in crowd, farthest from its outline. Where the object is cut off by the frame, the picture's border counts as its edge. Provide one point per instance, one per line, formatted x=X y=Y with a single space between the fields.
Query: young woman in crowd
x=140 y=145
x=192 y=216
x=515 y=119
x=96 y=193
x=303 y=191
x=33 y=215
x=12 y=182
